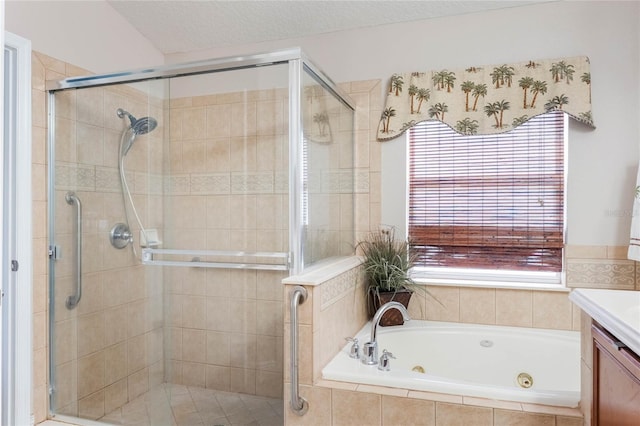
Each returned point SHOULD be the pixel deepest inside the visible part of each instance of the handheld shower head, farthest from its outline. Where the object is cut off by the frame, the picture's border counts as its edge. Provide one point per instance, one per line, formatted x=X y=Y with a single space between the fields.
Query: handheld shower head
x=138 y=127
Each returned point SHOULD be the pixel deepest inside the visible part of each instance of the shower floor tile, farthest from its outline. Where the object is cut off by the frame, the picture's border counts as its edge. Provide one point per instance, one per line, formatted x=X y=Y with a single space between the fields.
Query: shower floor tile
x=177 y=405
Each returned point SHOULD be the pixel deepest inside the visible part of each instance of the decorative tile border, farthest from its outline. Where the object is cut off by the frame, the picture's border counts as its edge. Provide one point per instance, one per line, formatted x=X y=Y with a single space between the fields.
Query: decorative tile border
x=362 y=181
x=212 y=184
x=601 y=273
x=107 y=179
x=337 y=287
x=252 y=183
x=75 y=176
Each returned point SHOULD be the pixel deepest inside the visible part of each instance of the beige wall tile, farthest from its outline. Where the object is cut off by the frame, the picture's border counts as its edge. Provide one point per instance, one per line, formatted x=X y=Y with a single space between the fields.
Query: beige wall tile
x=115 y=363
x=137 y=354
x=570 y=421
x=218 y=121
x=194 y=345
x=115 y=395
x=244 y=316
x=478 y=305
x=90 y=333
x=586 y=252
x=90 y=374
x=552 y=310
x=443 y=304
x=193 y=123
x=115 y=329
x=92 y=407
x=242 y=380
x=269 y=383
x=407 y=411
x=40 y=358
x=193 y=312
x=242 y=350
x=269 y=318
x=138 y=383
x=511 y=418
x=514 y=307
x=193 y=374
x=217 y=313
x=351 y=408
x=270 y=356
x=462 y=415
x=218 y=378
x=320 y=407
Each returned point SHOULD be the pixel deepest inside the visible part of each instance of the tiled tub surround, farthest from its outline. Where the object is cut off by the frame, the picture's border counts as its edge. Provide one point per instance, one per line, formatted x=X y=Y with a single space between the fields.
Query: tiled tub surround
x=335 y=309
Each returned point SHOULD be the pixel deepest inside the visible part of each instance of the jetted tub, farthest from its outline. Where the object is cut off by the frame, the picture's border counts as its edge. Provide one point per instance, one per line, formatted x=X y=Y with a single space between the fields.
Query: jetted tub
x=506 y=363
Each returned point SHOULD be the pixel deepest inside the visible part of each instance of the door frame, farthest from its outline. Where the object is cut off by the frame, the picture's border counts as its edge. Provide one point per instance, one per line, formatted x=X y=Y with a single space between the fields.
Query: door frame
x=17 y=310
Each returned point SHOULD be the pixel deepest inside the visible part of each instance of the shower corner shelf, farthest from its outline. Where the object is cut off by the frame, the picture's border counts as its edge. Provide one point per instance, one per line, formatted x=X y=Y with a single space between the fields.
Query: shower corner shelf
x=271 y=261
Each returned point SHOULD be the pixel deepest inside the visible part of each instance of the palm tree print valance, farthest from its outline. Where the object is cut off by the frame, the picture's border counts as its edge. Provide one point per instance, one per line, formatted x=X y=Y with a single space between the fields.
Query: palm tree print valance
x=488 y=99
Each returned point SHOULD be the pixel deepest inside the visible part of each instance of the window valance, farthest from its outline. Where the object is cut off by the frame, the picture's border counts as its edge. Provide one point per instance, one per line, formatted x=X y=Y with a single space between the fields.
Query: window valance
x=488 y=99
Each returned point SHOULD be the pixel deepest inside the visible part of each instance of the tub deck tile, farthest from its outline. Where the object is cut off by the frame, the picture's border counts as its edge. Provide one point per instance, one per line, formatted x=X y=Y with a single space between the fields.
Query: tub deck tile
x=437 y=397
x=549 y=409
x=336 y=385
x=383 y=390
x=493 y=403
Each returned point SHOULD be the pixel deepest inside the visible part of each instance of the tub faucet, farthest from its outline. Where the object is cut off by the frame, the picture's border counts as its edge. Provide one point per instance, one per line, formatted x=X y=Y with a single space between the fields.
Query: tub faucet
x=370 y=349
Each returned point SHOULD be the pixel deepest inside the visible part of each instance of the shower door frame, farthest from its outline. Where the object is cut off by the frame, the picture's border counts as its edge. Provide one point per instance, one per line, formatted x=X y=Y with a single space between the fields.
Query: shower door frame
x=298 y=64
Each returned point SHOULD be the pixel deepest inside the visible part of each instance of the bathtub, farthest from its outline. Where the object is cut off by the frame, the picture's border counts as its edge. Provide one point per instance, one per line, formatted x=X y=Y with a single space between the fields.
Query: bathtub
x=524 y=365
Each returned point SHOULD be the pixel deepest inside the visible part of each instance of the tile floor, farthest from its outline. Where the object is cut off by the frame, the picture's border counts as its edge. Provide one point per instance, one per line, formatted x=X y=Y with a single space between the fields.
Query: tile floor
x=176 y=405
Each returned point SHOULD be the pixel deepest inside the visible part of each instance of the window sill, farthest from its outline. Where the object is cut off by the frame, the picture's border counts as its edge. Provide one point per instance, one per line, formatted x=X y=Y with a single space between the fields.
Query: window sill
x=514 y=284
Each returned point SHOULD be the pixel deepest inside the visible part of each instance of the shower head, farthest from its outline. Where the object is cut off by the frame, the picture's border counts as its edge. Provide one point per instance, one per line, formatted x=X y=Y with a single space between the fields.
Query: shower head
x=138 y=127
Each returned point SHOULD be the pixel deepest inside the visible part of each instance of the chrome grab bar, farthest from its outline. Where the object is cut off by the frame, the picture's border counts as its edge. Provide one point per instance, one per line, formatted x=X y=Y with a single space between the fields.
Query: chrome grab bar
x=298 y=404
x=73 y=300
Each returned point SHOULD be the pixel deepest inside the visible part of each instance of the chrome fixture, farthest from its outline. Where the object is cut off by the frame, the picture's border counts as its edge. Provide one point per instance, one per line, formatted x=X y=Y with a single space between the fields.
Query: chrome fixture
x=354 y=352
x=136 y=128
x=370 y=349
x=385 y=363
x=120 y=235
x=298 y=404
x=72 y=301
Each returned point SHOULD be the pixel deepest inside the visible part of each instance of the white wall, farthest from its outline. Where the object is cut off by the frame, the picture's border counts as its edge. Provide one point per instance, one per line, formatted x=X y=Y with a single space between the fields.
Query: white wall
x=88 y=34
x=602 y=162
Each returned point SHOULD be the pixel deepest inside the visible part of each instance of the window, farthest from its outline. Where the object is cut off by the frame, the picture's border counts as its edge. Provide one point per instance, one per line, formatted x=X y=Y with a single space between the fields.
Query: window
x=488 y=202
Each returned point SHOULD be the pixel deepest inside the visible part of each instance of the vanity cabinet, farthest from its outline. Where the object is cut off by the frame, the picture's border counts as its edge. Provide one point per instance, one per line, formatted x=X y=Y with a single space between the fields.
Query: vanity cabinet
x=616 y=381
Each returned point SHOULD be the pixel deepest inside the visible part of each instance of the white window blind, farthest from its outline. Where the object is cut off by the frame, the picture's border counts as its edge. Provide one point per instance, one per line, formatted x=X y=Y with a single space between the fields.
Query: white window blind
x=488 y=201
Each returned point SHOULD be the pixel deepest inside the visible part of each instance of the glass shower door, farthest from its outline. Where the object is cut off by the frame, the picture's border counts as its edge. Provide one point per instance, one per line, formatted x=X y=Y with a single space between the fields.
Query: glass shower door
x=106 y=336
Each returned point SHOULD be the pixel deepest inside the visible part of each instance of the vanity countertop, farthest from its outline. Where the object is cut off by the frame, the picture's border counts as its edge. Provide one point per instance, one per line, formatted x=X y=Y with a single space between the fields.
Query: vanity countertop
x=616 y=310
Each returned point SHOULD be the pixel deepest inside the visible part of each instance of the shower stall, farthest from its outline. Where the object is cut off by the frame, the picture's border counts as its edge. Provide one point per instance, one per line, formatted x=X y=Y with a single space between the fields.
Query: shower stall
x=179 y=198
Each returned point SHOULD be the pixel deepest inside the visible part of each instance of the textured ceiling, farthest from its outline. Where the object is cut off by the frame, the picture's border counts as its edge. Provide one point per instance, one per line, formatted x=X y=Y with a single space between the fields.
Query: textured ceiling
x=184 y=26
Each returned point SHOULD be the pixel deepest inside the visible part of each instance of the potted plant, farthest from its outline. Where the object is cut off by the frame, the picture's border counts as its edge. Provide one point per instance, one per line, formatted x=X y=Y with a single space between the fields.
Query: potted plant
x=387 y=262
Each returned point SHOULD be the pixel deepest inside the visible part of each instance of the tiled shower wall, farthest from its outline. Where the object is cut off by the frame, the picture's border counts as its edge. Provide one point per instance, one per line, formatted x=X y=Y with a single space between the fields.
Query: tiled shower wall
x=229 y=192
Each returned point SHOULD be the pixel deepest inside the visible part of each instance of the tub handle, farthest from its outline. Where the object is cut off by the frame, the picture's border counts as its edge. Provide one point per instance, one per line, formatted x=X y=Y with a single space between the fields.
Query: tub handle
x=385 y=363
x=354 y=352
x=299 y=405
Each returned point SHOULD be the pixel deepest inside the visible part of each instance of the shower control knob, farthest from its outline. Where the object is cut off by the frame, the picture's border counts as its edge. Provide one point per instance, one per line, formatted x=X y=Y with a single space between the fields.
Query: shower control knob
x=120 y=236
